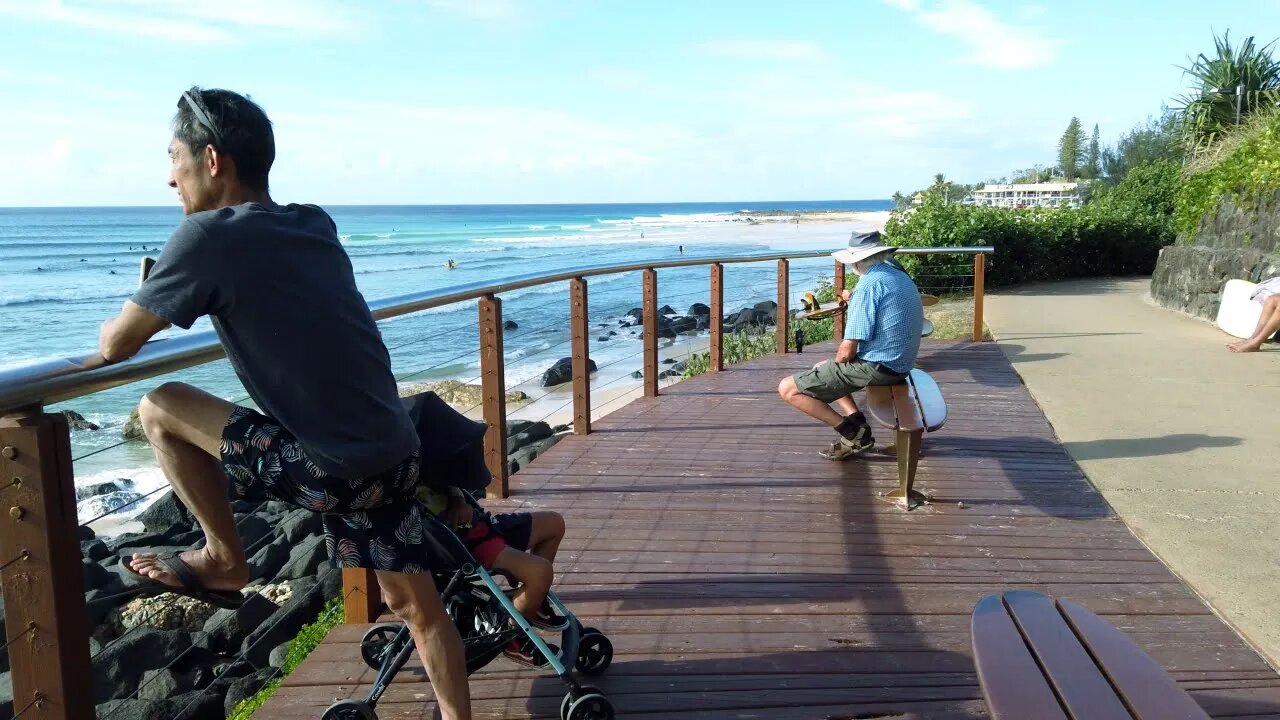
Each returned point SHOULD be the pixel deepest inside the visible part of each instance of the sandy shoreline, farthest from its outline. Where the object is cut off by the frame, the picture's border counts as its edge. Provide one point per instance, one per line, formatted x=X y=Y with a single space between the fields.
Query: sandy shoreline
x=872 y=220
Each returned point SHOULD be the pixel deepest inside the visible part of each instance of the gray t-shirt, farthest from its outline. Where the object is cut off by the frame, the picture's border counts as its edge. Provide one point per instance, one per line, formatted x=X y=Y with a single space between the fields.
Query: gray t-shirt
x=280 y=290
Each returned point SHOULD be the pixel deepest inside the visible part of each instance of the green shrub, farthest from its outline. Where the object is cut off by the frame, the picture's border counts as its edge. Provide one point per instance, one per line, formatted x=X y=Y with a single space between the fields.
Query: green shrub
x=307 y=640
x=1242 y=167
x=1119 y=236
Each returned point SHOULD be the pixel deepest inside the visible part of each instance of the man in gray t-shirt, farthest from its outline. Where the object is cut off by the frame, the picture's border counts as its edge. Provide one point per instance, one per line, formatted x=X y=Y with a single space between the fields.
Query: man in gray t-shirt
x=329 y=434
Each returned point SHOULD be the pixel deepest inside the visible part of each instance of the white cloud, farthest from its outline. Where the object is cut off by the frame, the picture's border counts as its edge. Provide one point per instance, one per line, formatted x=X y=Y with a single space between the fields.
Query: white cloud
x=184 y=21
x=992 y=42
x=765 y=50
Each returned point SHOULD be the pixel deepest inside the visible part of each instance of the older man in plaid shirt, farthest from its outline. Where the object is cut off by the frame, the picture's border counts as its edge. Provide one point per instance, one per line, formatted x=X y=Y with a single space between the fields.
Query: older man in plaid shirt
x=881 y=341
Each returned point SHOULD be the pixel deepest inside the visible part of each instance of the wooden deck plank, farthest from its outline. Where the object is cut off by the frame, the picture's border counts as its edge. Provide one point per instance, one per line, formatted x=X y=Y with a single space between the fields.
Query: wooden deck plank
x=740 y=575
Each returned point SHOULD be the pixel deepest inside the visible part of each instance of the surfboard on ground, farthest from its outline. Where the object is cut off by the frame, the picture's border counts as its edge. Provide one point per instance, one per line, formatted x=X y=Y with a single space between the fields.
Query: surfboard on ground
x=1237 y=314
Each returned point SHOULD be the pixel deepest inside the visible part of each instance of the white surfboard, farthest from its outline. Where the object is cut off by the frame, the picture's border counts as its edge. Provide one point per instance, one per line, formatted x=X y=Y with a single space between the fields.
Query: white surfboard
x=1237 y=314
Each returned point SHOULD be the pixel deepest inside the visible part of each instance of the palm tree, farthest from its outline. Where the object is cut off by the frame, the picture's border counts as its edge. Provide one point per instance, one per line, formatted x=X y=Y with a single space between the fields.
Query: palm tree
x=1210 y=107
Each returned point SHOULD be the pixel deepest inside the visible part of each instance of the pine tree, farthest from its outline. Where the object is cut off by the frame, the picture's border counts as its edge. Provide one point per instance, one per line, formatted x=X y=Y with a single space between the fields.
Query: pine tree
x=1071 y=149
x=1092 y=166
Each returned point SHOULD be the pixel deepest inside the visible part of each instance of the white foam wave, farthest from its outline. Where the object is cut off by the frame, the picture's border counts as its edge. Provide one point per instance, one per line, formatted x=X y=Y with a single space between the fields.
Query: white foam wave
x=68 y=296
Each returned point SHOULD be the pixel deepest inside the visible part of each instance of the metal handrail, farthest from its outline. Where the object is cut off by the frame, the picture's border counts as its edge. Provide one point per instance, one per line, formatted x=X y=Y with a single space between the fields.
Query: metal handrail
x=51 y=381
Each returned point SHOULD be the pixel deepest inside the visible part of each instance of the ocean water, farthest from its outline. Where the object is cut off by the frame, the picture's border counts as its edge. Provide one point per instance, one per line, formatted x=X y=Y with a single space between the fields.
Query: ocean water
x=63 y=271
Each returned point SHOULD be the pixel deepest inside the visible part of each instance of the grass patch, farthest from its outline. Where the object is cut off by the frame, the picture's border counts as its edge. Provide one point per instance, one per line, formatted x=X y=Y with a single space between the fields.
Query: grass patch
x=953 y=321
x=299 y=648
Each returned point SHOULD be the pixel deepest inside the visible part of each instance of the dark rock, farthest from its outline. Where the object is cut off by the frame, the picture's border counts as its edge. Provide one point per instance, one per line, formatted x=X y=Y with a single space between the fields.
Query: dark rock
x=227 y=629
x=246 y=687
x=509 y=325
x=515 y=427
x=531 y=434
x=684 y=324
x=84 y=532
x=330 y=581
x=666 y=310
x=269 y=559
x=96 y=576
x=562 y=372
x=298 y=525
x=698 y=310
x=105 y=487
x=253 y=528
x=561 y=429
x=119 y=667
x=602 y=339
x=526 y=454
x=305 y=559
x=679 y=367
x=163 y=684
x=107 y=503
x=636 y=313
x=76 y=421
x=135 y=710
x=704 y=322
x=767 y=307
x=203 y=704
x=133 y=542
x=303 y=607
x=278 y=655
x=668 y=361
x=613 y=333
x=164 y=513
x=637 y=375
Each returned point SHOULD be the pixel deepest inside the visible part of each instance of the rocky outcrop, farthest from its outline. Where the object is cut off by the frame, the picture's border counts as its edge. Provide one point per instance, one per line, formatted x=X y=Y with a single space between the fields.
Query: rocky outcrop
x=1231 y=243
x=460 y=395
x=562 y=372
x=76 y=421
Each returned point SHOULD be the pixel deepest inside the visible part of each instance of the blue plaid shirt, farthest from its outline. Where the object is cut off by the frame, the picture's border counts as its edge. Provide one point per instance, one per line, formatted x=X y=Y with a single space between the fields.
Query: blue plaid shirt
x=885 y=317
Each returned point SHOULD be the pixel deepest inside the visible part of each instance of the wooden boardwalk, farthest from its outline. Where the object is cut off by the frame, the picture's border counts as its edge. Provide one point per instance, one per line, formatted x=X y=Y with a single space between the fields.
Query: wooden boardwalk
x=740 y=575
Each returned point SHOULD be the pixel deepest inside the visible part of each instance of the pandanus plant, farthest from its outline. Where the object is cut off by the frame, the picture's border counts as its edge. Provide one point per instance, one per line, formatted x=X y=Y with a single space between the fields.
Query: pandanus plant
x=1227 y=86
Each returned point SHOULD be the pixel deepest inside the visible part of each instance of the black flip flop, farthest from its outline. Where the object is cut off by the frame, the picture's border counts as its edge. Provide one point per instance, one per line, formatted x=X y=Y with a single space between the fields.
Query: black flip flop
x=226 y=599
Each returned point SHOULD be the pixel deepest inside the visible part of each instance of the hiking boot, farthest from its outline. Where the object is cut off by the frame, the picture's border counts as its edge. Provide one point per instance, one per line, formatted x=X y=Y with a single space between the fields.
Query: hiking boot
x=845 y=448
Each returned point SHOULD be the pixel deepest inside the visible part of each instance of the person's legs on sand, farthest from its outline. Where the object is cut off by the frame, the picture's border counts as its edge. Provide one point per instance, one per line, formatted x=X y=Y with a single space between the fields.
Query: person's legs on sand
x=184 y=425
x=413 y=598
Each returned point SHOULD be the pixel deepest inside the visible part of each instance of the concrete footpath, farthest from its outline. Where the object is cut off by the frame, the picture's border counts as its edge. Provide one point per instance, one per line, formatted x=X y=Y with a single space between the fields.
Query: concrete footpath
x=1181 y=436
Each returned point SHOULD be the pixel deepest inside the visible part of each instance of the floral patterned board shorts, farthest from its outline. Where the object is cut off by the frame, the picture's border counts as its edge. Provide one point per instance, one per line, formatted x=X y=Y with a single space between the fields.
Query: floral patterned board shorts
x=371 y=522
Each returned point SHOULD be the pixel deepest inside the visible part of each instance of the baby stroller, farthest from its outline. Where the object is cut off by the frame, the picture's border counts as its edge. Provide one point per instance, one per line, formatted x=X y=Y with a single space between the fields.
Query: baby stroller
x=478 y=605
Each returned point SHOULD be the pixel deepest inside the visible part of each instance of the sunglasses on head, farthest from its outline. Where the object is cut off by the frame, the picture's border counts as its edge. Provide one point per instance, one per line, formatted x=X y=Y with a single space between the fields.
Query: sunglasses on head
x=202 y=117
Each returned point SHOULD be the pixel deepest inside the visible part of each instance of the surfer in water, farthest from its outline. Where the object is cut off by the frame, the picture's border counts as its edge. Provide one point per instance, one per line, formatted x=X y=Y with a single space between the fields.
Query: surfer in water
x=450 y=264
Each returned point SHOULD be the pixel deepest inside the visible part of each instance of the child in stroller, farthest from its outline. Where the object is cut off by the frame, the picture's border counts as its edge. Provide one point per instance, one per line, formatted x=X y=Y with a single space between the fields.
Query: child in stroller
x=492 y=621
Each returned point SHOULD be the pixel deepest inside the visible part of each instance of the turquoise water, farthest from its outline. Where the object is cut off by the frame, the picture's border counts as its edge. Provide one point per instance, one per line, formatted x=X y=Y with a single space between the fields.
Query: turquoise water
x=63 y=271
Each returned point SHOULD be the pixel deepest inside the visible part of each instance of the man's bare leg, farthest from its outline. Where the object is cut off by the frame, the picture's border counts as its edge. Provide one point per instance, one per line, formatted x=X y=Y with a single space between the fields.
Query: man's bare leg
x=1268 y=324
x=414 y=600
x=806 y=404
x=184 y=425
x=847 y=405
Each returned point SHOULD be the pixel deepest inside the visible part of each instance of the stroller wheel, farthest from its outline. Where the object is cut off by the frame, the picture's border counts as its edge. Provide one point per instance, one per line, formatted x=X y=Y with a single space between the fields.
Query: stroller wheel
x=374 y=644
x=590 y=704
x=351 y=710
x=595 y=653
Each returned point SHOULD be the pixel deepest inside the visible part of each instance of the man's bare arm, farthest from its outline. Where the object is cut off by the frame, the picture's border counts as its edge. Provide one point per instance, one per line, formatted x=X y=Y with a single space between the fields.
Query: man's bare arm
x=122 y=336
x=847 y=351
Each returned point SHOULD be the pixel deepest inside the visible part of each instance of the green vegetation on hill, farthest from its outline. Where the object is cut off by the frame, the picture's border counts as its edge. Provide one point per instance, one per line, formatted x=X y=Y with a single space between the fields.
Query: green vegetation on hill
x=1243 y=166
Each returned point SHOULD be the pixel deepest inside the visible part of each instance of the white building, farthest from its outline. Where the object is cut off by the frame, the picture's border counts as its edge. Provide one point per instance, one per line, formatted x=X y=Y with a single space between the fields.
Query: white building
x=1028 y=195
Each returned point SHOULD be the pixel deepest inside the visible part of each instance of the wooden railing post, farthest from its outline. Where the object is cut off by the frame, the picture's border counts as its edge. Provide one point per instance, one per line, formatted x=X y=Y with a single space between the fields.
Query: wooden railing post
x=581 y=354
x=493 y=391
x=839 y=317
x=717 y=317
x=979 y=283
x=42 y=579
x=361 y=596
x=650 y=332
x=784 y=290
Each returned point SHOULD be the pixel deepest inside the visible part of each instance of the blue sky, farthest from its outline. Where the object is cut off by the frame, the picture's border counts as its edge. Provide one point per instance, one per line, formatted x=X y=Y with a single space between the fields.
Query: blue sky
x=493 y=101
